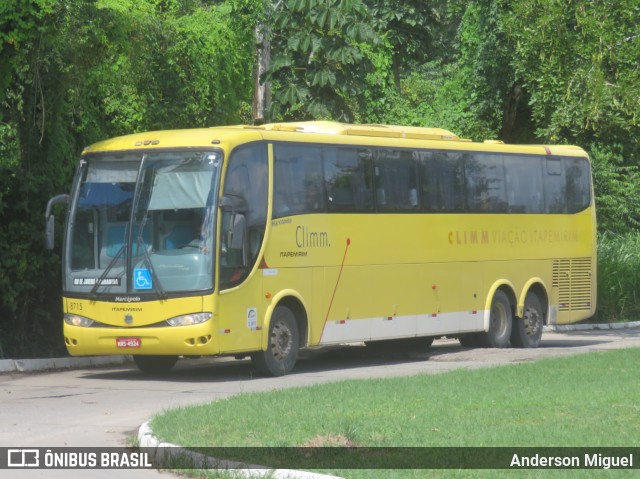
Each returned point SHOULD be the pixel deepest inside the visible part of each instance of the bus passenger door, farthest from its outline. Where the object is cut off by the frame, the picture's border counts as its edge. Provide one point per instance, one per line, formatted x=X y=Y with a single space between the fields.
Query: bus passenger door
x=243 y=223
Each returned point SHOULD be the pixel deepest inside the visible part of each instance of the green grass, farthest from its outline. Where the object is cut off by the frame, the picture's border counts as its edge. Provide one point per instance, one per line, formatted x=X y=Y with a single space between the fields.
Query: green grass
x=583 y=400
x=618 y=277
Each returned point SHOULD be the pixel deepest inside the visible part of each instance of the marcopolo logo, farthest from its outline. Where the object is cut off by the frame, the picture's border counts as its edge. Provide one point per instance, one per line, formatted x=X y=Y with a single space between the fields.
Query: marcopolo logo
x=23 y=458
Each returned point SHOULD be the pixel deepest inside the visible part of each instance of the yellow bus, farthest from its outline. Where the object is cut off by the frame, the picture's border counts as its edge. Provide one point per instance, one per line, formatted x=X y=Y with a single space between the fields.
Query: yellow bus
x=262 y=240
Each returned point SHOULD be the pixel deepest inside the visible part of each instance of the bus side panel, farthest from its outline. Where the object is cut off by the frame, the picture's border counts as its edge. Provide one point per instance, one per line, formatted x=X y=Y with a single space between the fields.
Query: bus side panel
x=321 y=291
x=386 y=276
x=240 y=316
x=373 y=302
x=450 y=298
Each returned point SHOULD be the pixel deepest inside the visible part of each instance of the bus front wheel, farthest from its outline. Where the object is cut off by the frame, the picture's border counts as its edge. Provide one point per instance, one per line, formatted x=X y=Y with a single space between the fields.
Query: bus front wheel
x=282 y=347
x=527 y=330
x=500 y=323
x=155 y=364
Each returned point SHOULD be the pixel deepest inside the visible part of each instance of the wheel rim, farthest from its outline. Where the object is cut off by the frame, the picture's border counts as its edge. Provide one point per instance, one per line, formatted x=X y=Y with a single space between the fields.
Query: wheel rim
x=532 y=323
x=281 y=341
x=499 y=320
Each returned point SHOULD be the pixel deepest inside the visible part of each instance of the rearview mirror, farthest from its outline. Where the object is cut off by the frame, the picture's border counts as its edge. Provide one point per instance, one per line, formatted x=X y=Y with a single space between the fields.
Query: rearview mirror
x=50 y=232
x=234 y=230
x=51 y=221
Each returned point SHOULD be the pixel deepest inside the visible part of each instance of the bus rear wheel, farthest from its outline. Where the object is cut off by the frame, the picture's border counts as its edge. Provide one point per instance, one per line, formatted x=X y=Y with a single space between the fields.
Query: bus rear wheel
x=527 y=330
x=500 y=323
x=155 y=364
x=283 y=345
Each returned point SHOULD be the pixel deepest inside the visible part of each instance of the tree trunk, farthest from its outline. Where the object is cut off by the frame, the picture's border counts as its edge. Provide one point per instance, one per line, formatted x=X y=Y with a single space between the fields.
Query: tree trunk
x=262 y=87
x=508 y=132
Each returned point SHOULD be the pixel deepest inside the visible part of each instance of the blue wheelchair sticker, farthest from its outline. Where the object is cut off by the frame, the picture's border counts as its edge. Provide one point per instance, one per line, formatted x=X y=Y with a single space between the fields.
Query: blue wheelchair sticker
x=142 y=278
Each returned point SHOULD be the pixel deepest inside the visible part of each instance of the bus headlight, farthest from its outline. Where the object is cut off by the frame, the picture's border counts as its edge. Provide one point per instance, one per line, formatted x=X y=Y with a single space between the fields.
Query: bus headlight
x=76 y=320
x=189 y=319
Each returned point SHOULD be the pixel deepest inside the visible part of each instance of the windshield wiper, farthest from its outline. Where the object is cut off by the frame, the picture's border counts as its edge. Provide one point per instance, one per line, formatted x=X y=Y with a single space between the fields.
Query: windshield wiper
x=93 y=294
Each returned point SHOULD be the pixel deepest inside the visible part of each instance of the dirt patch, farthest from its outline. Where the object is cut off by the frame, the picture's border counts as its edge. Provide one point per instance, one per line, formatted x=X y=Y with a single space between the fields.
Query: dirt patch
x=337 y=440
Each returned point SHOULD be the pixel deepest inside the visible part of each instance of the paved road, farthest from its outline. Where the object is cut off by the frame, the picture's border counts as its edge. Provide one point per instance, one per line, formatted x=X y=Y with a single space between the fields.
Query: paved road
x=105 y=407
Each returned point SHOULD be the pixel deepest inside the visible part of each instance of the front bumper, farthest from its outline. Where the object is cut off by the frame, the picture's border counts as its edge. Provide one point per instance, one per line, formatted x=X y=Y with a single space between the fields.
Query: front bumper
x=194 y=340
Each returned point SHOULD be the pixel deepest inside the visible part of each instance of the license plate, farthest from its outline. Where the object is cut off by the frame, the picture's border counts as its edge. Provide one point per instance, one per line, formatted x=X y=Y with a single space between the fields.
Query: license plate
x=128 y=342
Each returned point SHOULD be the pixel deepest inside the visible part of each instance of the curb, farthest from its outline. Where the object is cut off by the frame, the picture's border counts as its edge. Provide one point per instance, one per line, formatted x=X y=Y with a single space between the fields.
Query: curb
x=591 y=327
x=164 y=453
x=31 y=365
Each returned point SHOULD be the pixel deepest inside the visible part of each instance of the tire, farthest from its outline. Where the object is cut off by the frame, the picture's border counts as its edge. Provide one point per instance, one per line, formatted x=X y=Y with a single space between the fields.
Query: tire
x=527 y=331
x=500 y=323
x=155 y=364
x=283 y=345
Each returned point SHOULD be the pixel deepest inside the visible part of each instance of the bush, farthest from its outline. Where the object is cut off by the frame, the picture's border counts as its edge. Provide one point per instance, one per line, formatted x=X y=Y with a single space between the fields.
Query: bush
x=618 y=277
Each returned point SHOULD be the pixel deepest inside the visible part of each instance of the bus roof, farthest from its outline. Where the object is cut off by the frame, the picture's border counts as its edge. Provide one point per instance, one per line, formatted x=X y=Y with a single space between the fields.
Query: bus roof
x=313 y=131
x=382 y=131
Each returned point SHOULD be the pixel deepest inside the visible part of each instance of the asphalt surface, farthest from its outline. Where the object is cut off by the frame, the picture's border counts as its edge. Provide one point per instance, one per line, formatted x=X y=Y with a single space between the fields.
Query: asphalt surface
x=105 y=406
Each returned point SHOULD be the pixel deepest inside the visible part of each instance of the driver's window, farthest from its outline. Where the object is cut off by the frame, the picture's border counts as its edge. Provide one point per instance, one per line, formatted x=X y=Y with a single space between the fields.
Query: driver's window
x=243 y=223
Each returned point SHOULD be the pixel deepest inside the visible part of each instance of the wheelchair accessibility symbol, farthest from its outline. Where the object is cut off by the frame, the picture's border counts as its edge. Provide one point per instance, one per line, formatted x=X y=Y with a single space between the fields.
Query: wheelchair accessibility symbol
x=142 y=278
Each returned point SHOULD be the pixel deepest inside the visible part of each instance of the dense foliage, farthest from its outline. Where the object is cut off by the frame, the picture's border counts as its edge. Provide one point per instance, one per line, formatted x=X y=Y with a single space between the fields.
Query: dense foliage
x=618 y=277
x=76 y=71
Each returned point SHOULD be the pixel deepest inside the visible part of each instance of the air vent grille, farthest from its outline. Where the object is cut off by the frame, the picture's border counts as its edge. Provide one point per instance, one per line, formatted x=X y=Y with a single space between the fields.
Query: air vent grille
x=572 y=277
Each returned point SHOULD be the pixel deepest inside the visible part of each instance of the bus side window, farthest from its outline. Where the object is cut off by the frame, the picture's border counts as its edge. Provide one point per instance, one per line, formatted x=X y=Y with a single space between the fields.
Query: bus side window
x=297 y=181
x=485 y=177
x=523 y=175
x=554 y=196
x=577 y=185
x=348 y=180
x=395 y=174
x=567 y=185
x=442 y=181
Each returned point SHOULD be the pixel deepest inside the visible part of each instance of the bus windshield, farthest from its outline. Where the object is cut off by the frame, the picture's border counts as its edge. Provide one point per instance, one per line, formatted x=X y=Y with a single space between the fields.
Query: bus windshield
x=143 y=223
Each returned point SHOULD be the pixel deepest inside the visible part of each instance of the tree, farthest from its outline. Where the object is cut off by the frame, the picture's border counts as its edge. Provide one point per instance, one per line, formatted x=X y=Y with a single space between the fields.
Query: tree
x=78 y=71
x=415 y=31
x=465 y=84
x=578 y=63
x=257 y=15
x=578 y=60
x=318 y=62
